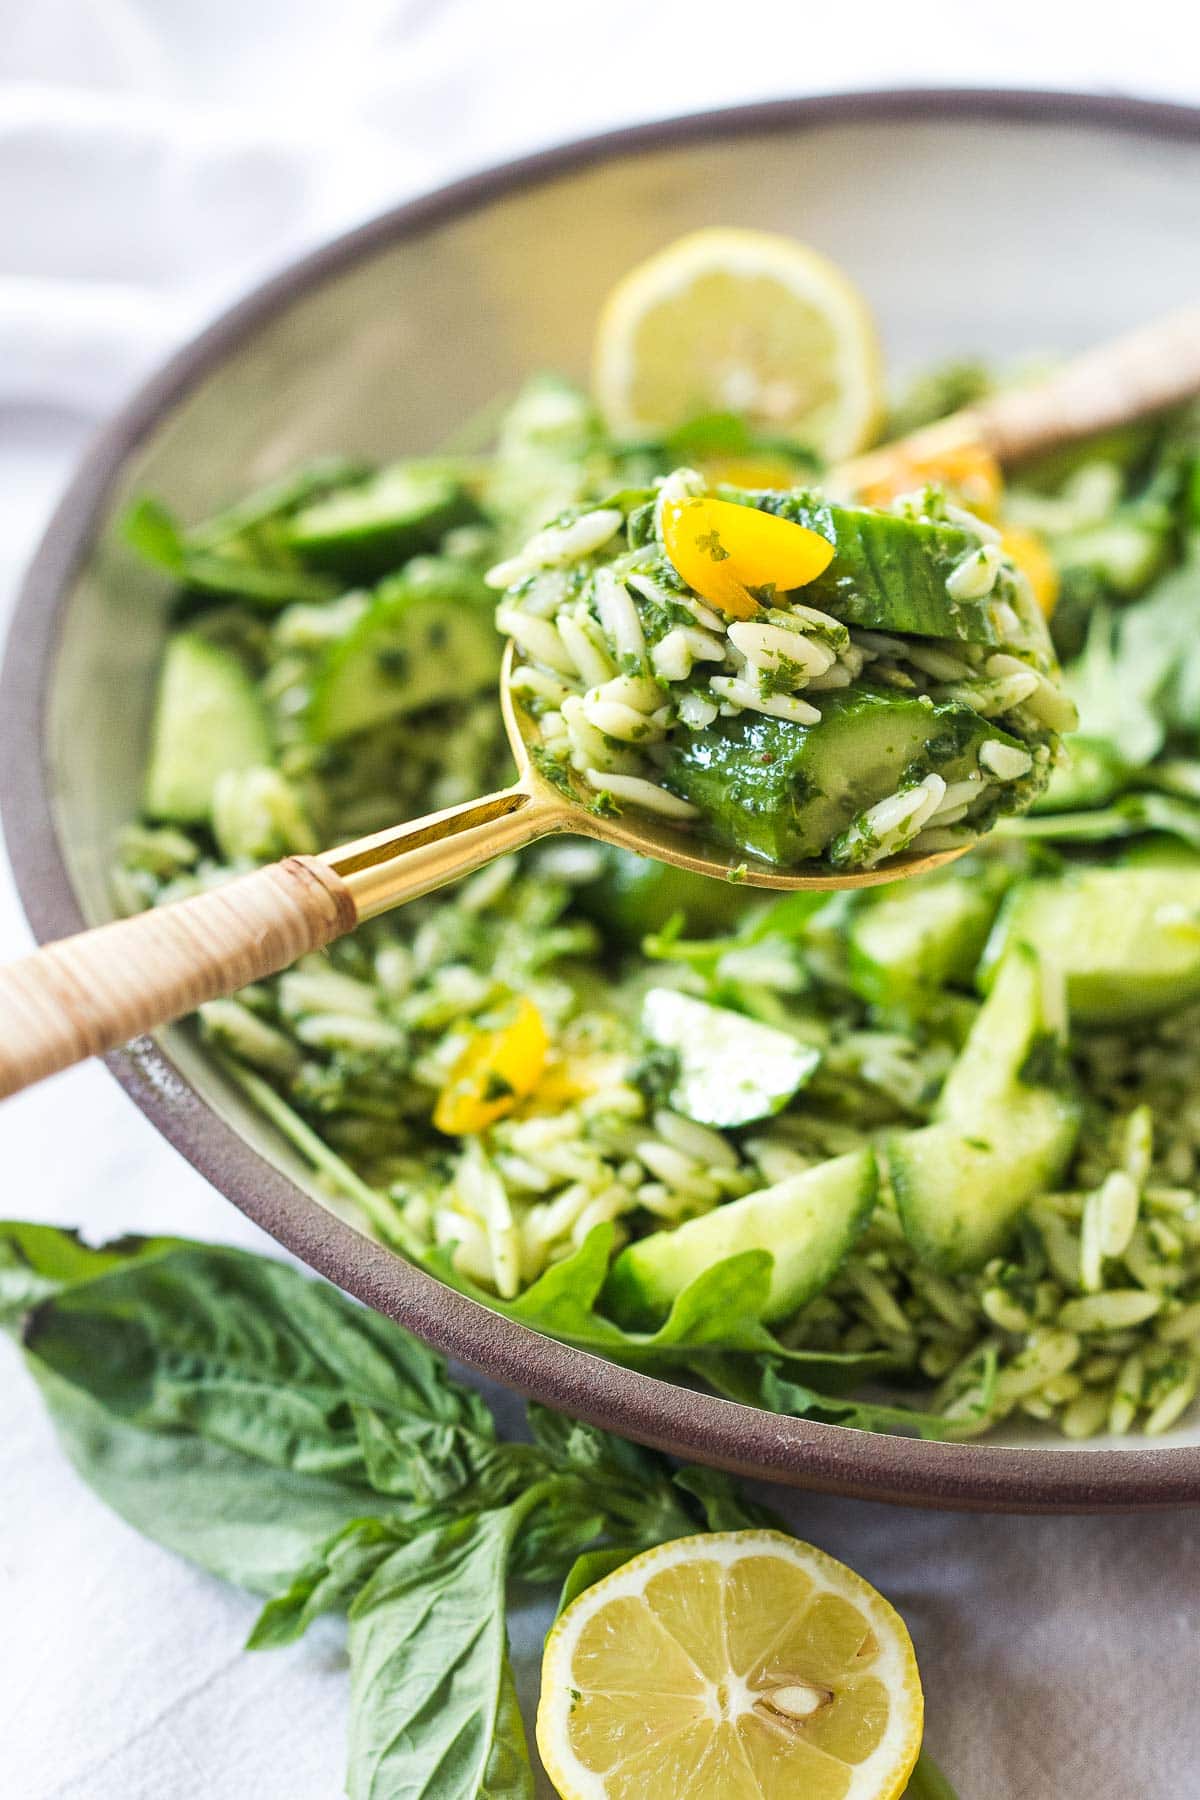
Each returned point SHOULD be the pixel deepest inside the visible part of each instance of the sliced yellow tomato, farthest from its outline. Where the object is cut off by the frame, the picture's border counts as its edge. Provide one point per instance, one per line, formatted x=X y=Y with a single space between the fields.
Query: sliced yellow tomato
x=968 y=469
x=1035 y=563
x=570 y=1078
x=494 y=1073
x=750 y=471
x=723 y=551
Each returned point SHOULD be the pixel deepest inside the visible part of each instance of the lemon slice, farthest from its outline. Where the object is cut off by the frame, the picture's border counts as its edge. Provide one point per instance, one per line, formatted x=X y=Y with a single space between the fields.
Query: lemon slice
x=740 y=1665
x=741 y=322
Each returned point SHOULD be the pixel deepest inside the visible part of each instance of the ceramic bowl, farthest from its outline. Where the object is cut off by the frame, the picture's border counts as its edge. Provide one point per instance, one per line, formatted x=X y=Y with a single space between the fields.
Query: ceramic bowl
x=975 y=222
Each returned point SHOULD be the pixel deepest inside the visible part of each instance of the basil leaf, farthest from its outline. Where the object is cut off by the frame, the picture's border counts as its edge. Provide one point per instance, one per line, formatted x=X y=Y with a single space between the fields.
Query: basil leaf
x=430 y=1688
x=244 y=1521
x=723 y=1507
x=37 y=1261
x=641 y=1503
x=331 y=1579
x=508 y=1775
x=589 y=1568
x=265 y=1361
x=404 y=1458
x=927 y=1781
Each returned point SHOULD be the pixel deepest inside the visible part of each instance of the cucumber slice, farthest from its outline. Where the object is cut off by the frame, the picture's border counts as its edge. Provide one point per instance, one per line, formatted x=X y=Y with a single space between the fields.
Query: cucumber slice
x=808 y=1222
x=887 y=573
x=784 y=791
x=208 y=719
x=731 y=1069
x=1127 y=939
x=415 y=646
x=362 y=532
x=959 y=1198
x=1006 y=1126
x=918 y=936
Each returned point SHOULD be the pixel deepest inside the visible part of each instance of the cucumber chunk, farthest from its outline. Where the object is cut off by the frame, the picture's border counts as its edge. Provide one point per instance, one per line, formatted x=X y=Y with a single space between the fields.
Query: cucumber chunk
x=1006 y=1125
x=785 y=791
x=208 y=719
x=732 y=1070
x=1127 y=939
x=808 y=1222
x=635 y=895
x=361 y=532
x=888 y=573
x=920 y=935
x=418 y=643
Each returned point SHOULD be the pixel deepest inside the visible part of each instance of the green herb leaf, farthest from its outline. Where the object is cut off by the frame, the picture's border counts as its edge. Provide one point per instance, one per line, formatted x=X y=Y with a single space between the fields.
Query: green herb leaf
x=37 y=1261
x=713 y=1332
x=155 y=534
x=331 y=1579
x=778 y=1392
x=590 y=1568
x=431 y=1691
x=723 y=1506
x=242 y=1520
x=262 y=1360
x=927 y=1782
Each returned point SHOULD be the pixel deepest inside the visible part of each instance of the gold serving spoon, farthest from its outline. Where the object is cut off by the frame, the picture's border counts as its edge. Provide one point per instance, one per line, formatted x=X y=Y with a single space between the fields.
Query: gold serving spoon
x=88 y=994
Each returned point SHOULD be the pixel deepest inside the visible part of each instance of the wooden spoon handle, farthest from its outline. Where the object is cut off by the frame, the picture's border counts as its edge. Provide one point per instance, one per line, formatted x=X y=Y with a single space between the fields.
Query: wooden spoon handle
x=1129 y=378
x=1142 y=373
x=88 y=994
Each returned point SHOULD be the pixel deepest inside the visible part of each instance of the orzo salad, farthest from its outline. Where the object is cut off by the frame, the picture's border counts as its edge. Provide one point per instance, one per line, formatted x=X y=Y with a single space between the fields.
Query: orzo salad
x=921 y=1157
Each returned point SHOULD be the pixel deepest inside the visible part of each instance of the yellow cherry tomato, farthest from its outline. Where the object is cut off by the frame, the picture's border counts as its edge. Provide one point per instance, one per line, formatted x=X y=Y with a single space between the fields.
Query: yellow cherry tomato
x=494 y=1073
x=763 y=471
x=723 y=551
x=1035 y=563
x=968 y=470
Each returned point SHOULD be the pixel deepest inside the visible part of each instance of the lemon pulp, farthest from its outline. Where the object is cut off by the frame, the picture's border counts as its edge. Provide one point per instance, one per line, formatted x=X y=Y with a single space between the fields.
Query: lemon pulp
x=745 y=322
x=733 y=1666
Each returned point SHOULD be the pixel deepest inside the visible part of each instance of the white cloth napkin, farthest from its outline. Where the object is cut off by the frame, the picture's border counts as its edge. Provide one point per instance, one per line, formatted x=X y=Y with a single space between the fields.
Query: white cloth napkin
x=155 y=156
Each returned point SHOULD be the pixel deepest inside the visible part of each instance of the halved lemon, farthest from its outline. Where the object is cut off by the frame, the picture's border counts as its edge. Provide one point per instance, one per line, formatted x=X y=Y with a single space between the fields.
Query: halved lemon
x=726 y=321
x=740 y=1665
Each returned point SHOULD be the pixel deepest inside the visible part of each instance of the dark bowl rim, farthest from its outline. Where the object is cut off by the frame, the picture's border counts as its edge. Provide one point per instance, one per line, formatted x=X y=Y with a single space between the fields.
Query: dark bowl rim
x=751 y=1442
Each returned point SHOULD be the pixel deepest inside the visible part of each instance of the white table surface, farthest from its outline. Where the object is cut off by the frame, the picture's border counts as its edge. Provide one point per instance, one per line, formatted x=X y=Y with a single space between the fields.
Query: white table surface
x=154 y=157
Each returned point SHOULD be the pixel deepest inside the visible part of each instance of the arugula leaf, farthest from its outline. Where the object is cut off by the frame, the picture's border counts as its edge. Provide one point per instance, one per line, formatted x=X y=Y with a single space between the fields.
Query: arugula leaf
x=769 y=1385
x=430 y=1686
x=241 y=1520
x=718 y=1313
x=262 y=1360
x=1130 y=816
x=154 y=532
x=1115 y=696
x=786 y=919
x=213 y=560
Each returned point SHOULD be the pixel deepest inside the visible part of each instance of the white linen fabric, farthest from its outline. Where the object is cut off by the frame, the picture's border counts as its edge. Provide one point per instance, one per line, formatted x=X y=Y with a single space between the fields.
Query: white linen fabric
x=155 y=157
